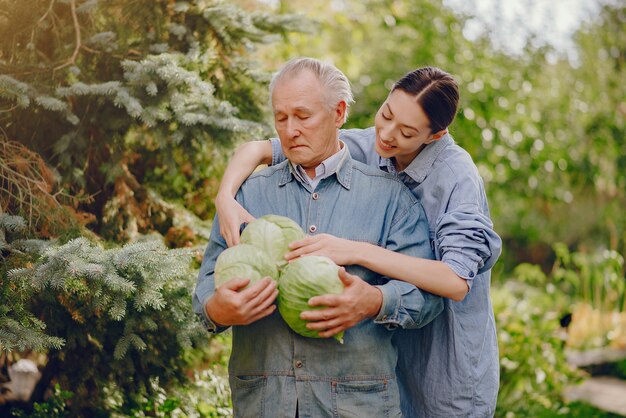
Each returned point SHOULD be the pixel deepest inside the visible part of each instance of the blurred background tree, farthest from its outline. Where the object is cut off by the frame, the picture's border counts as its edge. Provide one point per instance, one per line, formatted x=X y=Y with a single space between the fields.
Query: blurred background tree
x=546 y=132
x=546 y=128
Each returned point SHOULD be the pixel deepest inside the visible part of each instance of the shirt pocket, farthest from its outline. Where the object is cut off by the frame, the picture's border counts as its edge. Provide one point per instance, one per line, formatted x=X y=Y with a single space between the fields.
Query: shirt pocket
x=248 y=396
x=363 y=399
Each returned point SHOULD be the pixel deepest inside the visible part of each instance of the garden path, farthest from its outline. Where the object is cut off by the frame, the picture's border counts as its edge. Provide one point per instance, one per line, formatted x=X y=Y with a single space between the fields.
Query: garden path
x=603 y=392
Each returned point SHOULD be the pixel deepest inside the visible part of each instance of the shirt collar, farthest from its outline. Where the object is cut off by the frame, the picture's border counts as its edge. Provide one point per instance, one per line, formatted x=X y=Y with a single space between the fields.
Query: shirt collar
x=326 y=168
x=421 y=165
x=339 y=163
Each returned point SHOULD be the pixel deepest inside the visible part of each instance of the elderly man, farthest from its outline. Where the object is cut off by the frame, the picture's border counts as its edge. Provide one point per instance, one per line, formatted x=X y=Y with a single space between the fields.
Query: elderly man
x=273 y=371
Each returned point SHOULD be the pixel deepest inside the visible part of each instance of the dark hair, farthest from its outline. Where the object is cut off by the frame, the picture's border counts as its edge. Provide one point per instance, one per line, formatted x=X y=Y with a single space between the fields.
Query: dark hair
x=436 y=92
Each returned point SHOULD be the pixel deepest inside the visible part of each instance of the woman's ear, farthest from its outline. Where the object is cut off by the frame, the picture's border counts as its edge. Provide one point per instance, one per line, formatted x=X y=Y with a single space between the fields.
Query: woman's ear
x=436 y=136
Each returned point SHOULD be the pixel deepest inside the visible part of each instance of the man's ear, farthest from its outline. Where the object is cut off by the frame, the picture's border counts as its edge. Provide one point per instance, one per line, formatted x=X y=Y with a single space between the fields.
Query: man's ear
x=340 y=113
x=436 y=136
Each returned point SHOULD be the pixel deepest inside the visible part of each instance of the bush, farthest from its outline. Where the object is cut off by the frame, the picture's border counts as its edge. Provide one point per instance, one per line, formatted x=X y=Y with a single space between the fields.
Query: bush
x=121 y=318
x=54 y=407
x=533 y=369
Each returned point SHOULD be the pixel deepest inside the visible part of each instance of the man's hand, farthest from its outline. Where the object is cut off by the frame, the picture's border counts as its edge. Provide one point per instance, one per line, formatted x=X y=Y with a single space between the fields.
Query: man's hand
x=230 y=215
x=230 y=305
x=341 y=251
x=358 y=301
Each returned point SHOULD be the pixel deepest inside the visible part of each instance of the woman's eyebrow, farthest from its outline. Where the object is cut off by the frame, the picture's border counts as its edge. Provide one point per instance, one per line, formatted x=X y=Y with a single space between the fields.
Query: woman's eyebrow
x=405 y=125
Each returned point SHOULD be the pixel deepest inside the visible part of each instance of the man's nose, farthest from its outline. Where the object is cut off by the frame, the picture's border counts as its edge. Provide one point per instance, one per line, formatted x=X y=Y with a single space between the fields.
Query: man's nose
x=293 y=127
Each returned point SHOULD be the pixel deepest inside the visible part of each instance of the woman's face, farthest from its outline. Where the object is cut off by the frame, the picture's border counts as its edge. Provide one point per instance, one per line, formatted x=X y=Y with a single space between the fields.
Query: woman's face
x=402 y=129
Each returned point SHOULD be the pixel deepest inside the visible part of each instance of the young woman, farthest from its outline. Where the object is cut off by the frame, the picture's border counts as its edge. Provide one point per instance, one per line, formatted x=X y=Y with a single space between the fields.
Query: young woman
x=450 y=367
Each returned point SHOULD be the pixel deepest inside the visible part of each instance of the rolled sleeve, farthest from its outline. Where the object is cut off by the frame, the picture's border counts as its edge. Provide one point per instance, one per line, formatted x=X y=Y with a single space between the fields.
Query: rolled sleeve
x=389 y=311
x=405 y=306
x=205 y=285
x=464 y=267
x=208 y=323
x=466 y=241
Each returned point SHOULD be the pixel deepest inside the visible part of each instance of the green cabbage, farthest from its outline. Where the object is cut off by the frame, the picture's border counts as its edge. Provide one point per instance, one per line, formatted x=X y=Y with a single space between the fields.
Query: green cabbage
x=244 y=261
x=299 y=281
x=273 y=234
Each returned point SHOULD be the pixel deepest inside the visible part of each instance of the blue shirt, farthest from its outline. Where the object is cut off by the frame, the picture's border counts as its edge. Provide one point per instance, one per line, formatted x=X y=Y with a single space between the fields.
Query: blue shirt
x=450 y=367
x=271 y=368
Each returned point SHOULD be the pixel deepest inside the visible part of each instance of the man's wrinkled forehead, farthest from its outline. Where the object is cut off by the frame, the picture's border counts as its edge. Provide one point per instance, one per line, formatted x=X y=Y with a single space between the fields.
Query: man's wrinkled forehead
x=295 y=73
x=299 y=92
x=298 y=77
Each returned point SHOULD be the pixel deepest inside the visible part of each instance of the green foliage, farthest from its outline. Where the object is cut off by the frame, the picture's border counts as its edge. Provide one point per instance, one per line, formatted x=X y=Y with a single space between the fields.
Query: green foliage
x=212 y=396
x=207 y=395
x=574 y=410
x=20 y=329
x=596 y=279
x=27 y=188
x=528 y=310
x=122 y=99
x=533 y=370
x=125 y=312
x=546 y=133
x=54 y=407
x=106 y=81
x=187 y=180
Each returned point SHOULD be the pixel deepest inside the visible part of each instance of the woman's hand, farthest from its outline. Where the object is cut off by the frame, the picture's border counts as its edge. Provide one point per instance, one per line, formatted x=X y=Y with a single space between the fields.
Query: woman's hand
x=342 y=251
x=230 y=215
x=359 y=300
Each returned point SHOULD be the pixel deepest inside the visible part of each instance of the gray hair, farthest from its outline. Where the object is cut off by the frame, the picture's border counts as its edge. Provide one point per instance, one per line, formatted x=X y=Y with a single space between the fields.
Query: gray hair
x=336 y=84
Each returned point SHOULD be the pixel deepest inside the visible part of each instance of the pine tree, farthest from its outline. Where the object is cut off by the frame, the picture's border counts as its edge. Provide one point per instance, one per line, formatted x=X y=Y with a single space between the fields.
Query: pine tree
x=115 y=319
x=113 y=93
x=20 y=329
x=117 y=111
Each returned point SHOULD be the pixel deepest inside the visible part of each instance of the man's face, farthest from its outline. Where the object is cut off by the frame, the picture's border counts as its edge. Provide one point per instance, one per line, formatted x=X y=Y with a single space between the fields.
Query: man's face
x=306 y=127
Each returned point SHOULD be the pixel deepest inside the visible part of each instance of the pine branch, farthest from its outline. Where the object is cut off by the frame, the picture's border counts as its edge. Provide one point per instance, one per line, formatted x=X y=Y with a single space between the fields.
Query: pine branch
x=72 y=59
x=16 y=336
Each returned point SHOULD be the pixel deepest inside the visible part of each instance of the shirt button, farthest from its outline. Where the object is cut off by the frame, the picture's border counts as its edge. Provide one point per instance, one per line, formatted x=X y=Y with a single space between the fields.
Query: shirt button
x=471 y=274
x=312 y=228
x=315 y=196
x=299 y=364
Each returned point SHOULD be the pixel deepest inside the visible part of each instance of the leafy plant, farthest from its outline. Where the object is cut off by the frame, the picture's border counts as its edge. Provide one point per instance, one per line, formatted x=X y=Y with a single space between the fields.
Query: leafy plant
x=595 y=286
x=596 y=278
x=206 y=395
x=533 y=368
x=53 y=407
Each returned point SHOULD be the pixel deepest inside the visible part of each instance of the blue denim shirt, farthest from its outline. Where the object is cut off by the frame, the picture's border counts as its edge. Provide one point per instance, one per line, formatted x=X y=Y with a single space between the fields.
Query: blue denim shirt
x=450 y=367
x=271 y=368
